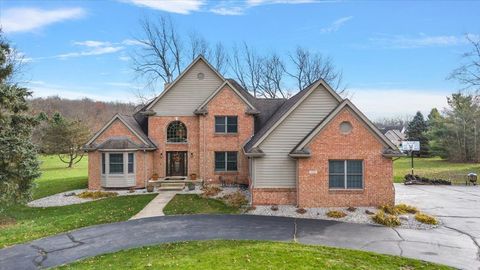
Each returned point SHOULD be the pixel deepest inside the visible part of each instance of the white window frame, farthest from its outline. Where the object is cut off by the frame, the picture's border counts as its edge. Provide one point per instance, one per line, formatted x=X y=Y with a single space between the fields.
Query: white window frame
x=226 y=161
x=125 y=163
x=225 y=124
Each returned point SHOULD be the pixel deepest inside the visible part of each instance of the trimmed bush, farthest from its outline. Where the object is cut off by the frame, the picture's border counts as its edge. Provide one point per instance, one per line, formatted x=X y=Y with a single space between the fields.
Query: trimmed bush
x=210 y=191
x=405 y=209
x=236 y=199
x=386 y=219
x=301 y=210
x=388 y=209
x=336 y=214
x=96 y=194
x=426 y=219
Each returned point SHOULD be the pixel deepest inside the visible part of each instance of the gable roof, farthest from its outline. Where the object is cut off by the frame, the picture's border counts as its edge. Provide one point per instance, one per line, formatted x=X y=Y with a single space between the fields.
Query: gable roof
x=243 y=96
x=131 y=124
x=284 y=110
x=199 y=58
x=299 y=148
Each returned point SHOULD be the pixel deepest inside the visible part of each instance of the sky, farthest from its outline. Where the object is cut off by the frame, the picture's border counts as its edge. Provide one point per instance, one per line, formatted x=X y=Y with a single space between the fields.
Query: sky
x=395 y=55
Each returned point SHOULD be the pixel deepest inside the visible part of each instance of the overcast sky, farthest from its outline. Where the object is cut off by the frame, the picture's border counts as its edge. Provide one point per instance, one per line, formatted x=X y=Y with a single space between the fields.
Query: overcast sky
x=395 y=56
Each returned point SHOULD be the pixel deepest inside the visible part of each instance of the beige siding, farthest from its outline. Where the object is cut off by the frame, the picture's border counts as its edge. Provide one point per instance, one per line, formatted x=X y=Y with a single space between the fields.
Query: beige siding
x=189 y=92
x=276 y=168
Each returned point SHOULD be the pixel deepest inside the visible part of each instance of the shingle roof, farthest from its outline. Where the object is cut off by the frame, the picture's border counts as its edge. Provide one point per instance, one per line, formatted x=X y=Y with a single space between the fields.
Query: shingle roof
x=118 y=143
x=133 y=123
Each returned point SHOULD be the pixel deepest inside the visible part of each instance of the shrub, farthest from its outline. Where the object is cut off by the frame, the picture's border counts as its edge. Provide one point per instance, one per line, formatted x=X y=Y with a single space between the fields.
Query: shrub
x=351 y=209
x=388 y=209
x=386 y=219
x=274 y=207
x=235 y=199
x=426 y=219
x=210 y=191
x=405 y=209
x=336 y=214
x=6 y=222
x=96 y=194
x=301 y=210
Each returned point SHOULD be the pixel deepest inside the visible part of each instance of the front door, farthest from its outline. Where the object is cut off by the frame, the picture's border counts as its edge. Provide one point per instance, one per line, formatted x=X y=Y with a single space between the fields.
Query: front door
x=177 y=163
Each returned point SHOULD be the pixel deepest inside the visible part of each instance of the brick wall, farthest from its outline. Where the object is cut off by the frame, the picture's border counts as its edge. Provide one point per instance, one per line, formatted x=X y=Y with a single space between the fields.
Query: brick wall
x=225 y=103
x=157 y=129
x=330 y=143
x=269 y=196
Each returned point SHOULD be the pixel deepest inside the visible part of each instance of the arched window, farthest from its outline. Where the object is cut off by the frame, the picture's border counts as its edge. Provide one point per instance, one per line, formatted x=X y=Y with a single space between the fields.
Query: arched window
x=176 y=132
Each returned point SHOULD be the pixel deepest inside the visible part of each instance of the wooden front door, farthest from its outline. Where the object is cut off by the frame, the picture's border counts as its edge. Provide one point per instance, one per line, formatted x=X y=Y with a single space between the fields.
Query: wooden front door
x=177 y=163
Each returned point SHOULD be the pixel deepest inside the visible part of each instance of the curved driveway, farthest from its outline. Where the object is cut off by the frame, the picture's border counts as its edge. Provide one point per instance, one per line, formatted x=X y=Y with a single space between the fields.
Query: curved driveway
x=442 y=245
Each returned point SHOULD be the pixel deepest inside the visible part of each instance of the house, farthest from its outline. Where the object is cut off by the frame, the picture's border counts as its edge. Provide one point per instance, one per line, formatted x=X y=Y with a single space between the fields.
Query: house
x=396 y=136
x=314 y=149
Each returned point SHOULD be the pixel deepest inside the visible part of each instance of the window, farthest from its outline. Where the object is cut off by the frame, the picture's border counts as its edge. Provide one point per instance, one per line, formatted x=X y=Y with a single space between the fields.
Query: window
x=116 y=163
x=345 y=174
x=226 y=124
x=103 y=163
x=176 y=132
x=130 y=163
x=225 y=161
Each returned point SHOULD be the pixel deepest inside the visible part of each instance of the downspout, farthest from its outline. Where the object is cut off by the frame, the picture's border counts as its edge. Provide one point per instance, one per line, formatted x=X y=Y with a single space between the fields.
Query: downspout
x=144 y=169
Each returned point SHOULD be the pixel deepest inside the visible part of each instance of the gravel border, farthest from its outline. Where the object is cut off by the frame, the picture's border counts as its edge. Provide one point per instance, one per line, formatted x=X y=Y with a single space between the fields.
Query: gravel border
x=69 y=197
x=358 y=216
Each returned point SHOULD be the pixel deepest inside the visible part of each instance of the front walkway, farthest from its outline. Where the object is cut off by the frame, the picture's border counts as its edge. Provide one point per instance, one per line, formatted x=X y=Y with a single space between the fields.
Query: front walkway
x=441 y=245
x=155 y=207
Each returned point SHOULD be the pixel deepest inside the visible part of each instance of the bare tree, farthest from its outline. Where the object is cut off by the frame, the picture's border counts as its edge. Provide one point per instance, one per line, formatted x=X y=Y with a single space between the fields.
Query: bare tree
x=273 y=73
x=309 y=67
x=219 y=58
x=198 y=46
x=247 y=68
x=160 y=54
x=468 y=74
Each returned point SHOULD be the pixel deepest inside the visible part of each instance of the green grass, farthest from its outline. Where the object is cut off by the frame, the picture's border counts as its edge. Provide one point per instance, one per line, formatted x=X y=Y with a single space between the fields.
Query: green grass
x=185 y=204
x=434 y=168
x=33 y=223
x=56 y=177
x=247 y=255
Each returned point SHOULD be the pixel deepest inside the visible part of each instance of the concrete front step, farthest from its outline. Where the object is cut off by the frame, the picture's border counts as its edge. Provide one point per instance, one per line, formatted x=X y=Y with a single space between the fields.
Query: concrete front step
x=171 y=186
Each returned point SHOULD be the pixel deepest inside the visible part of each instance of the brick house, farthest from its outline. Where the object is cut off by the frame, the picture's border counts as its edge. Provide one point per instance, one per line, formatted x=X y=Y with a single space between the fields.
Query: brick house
x=314 y=149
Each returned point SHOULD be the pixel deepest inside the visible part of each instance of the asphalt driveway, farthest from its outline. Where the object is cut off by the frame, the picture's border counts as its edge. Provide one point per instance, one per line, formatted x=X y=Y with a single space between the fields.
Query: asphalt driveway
x=453 y=244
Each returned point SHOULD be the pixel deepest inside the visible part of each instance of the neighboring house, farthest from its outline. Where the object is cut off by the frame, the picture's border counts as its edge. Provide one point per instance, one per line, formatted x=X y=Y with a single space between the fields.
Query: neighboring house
x=396 y=137
x=312 y=150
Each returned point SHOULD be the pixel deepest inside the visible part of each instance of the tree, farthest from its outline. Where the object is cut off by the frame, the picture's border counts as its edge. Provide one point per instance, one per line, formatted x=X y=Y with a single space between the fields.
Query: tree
x=416 y=131
x=19 y=165
x=436 y=133
x=468 y=74
x=65 y=138
x=309 y=67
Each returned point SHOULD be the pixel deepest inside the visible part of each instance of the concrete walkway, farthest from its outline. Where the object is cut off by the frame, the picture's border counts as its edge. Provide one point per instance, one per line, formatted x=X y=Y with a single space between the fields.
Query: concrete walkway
x=441 y=245
x=155 y=207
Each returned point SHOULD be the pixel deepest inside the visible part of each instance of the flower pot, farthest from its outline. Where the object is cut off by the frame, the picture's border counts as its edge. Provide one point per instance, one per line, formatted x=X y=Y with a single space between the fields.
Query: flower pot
x=150 y=188
x=155 y=176
x=191 y=186
x=193 y=176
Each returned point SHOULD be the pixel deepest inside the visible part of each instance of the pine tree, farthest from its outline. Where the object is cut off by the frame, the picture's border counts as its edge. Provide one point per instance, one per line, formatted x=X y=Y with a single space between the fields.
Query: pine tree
x=19 y=165
x=417 y=131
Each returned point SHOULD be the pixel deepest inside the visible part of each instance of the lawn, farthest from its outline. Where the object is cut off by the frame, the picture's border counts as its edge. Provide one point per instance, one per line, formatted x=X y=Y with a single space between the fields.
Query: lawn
x=434 y=168
x=33 y=223
x=247 y=255
x=56 y=177
x=185 y=204
x=21 y=223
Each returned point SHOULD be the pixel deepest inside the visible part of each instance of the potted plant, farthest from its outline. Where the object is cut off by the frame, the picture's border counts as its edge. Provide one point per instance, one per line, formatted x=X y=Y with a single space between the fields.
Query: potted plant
x=193 y=176
x=191 y=186
x=150 y=188
x=155 y=176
